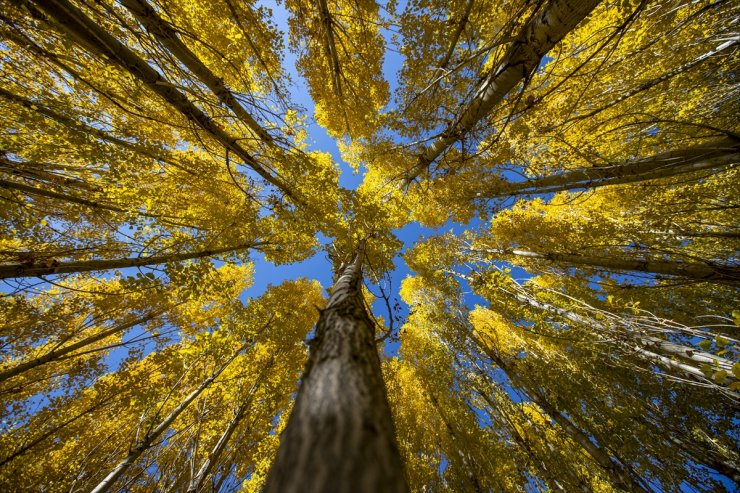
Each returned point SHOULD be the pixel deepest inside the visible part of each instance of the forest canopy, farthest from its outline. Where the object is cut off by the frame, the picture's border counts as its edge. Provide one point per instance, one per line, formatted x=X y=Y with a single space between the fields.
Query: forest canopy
x=527 y=211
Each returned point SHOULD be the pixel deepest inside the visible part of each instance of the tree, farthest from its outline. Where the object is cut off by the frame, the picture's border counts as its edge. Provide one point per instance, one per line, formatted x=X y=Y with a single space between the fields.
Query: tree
x=572 y=328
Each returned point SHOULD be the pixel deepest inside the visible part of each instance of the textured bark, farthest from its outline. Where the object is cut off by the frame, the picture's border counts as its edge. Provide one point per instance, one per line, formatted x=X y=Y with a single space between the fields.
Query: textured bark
x=538 y=36
x=340 y=436
x=166 y=34
x=51 y=266
x=150 y=438
x=718 y=154
x=723 y=274
x=63 y=352
x=74 y=23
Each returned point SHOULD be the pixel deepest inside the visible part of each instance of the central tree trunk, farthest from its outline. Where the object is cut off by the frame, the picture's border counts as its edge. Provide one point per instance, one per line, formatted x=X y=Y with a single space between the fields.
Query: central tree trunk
x=340 y=435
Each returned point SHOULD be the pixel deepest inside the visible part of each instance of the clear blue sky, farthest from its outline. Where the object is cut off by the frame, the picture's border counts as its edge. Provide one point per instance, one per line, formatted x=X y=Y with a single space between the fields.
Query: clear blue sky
x=318 y=267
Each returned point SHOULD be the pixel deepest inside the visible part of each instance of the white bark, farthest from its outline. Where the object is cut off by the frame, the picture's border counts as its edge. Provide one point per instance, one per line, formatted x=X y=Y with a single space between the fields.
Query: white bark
x=717 y=154
x=145 y=443
x=537 y=37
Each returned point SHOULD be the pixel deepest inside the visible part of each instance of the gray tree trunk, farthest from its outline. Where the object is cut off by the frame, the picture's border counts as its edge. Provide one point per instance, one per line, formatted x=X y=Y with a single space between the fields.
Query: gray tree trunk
x=717 y=154
x=340 y=435
x=51 y=266
x=538 y=36
x=71 y=21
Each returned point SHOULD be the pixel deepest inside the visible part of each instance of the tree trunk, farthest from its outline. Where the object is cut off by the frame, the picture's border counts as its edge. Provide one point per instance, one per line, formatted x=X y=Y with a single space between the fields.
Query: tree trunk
x=671 y=348
x=85 y=129
x=196 y=483
x=616 y=471
x=64 y=351
x=166 y=34
x=74 y=23
x=714 y=155
x=700 y=271
x=538 y=463
x=150 y=438
x=538 y=36
x=340 y=436
x=52 y=266
x=466 y=460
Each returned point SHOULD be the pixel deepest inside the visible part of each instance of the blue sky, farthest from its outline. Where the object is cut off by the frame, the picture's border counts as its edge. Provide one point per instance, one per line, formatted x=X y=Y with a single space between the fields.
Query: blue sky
x=318 y=267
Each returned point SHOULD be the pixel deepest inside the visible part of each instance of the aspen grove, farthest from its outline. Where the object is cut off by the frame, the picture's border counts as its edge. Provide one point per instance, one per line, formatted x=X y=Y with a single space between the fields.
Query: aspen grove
x=527 y=211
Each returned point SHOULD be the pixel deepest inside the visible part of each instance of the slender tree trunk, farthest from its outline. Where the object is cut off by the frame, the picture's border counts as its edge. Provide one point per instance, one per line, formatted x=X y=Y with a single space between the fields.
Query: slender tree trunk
x=465 y=459
x=149 y=439
x=654 y=82
x=616 y=471
x=196 y=483
x=74 y=23
x=81 y=127
x=714 y=155
x=166 y=34
x=39 y=192
x=51 y=432
x=538 y=36
x=64 y=351
x=723 y=274
x=701 y=454
x=671 y=348
x=523 y=443
x=340 y=436
x=51 y=266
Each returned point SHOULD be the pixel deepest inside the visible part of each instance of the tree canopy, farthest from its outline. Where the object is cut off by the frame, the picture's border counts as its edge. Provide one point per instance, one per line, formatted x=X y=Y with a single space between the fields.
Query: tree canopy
x=567 y=320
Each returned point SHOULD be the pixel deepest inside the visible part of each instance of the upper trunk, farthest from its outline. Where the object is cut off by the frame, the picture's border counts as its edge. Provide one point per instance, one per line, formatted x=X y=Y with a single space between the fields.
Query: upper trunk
x=72 y=22
x=340 y=435
x=538 y=36
x=49 y=266
x=717 y=154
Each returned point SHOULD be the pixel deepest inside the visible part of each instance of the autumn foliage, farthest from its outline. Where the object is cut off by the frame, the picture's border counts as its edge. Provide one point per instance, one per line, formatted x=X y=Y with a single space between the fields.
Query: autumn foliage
x=570 y=321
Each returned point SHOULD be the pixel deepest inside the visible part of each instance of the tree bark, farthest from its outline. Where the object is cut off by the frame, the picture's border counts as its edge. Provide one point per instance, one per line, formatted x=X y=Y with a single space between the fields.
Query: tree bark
x=148 y=441
x=51 y=266
x=340 y=436
x=714 y=155
x=538 y=36
x=74 y=23
x=64 y=351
